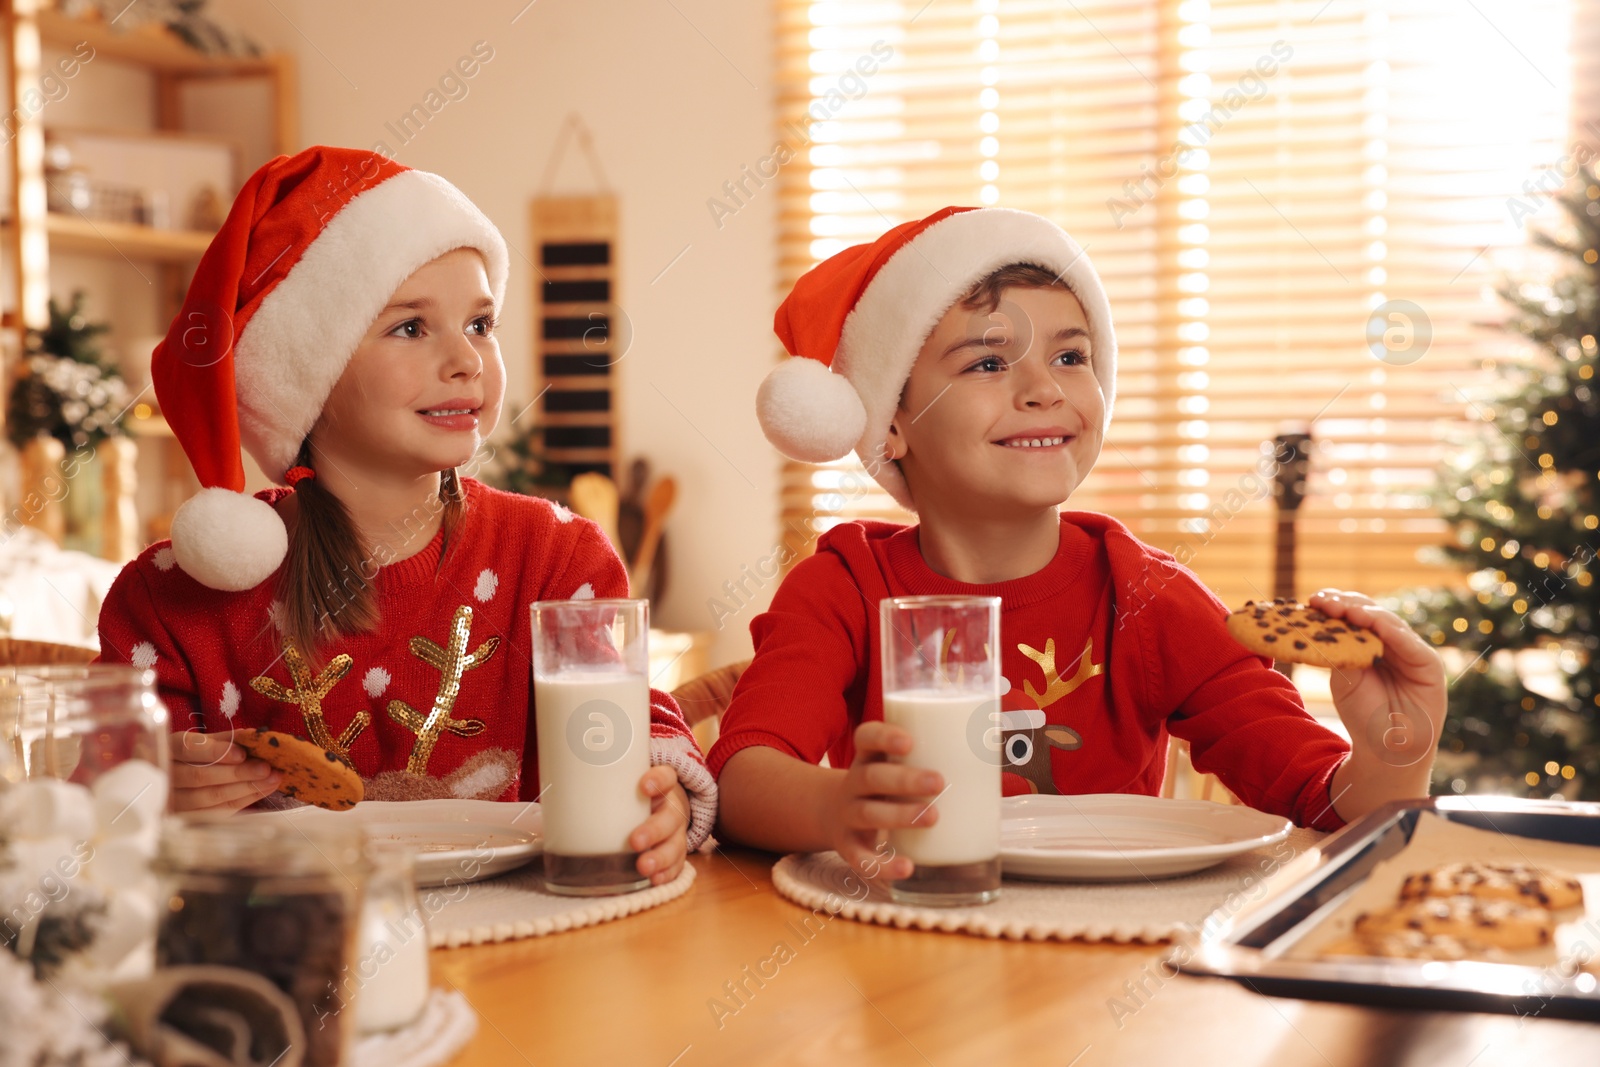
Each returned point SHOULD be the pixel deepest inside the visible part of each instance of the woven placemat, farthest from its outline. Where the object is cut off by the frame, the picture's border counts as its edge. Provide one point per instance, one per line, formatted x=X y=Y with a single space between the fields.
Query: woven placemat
x=1150 y=911
x=515 y=905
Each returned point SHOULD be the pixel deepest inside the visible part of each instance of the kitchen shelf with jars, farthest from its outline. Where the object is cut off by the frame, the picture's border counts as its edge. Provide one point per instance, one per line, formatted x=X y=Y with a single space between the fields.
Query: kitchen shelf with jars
x=148 y=196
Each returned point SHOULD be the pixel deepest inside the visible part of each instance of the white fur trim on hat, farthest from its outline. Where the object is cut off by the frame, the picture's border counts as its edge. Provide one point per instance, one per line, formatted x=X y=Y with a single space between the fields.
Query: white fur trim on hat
x=227 y=540
x=911 y=292
x=294 y=348
x=808 y=412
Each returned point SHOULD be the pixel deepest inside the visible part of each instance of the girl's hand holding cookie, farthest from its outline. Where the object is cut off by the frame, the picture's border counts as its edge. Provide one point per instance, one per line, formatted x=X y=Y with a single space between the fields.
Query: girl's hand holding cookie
x=210 y=773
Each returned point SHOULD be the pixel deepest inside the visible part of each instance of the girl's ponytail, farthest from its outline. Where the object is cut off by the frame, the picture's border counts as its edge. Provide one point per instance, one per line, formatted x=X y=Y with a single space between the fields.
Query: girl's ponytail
x=326 y=581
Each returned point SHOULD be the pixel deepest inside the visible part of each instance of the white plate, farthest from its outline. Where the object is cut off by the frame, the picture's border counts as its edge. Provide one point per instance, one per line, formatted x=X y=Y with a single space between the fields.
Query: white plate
x=1117 y=837
x=460 y=852
x=455 y=841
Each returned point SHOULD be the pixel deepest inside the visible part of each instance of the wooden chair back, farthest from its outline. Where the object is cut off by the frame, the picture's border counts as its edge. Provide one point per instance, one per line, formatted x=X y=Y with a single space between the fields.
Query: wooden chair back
x=15 y=652
x=704 y=699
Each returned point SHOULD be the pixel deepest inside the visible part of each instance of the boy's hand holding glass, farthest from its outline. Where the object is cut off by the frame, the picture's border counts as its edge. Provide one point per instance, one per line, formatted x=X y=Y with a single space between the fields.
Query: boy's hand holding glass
x=875 y=796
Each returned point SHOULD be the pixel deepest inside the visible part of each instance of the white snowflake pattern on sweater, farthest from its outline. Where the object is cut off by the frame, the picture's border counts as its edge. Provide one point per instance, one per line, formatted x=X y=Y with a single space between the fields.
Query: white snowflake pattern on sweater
x=229 y=705
x=143 y=655
x=488 y=582
x=375 y=682
x=584 y=592
x=165 y=559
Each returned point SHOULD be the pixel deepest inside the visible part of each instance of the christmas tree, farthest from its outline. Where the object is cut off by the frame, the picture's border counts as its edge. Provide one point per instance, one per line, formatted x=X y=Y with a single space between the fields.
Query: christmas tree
x=521 y=466
x=69 y=390
x=1523 y=499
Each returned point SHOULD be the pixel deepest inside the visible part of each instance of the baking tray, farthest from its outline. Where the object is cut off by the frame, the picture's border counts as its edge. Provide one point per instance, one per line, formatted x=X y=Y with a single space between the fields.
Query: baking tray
x=1248 y=948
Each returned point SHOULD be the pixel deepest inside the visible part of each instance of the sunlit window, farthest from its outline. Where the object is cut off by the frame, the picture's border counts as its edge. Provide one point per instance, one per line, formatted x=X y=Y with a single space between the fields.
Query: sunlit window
x=1299 y=209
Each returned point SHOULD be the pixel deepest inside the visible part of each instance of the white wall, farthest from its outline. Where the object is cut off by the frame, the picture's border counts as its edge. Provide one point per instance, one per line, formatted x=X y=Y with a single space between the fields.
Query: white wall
x=678 y=96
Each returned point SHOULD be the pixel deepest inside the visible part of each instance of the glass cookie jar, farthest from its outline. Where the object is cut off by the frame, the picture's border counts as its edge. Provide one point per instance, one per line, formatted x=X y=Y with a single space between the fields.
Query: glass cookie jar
x=281 y=900
x=77 y=723
x=83 y=787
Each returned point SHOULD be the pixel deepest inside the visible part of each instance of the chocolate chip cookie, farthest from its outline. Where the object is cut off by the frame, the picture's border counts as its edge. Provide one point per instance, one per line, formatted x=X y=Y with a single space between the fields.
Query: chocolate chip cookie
x=1491 y=923
x=1290 y=632
x=310 y=772
x=1496 y=881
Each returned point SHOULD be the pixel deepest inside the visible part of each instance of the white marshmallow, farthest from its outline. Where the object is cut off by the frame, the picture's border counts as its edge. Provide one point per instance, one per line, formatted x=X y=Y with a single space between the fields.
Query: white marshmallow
x=120 y=861
x=130 y=798
x=47 y=866
x=47 y=807
x=129 y=922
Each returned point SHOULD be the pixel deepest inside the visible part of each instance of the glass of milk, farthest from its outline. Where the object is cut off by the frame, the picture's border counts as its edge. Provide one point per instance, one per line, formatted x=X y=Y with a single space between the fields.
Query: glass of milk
x=591 y=703
x=941 y=684
x=392 y=942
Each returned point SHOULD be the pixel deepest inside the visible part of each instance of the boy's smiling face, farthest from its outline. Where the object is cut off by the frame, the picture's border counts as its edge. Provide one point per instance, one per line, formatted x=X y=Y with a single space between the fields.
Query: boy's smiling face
x=1002 y=410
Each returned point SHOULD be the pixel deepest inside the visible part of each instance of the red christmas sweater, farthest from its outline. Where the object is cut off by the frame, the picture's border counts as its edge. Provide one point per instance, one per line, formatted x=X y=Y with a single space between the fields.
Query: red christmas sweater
x=461 y=625
x=1105 y=651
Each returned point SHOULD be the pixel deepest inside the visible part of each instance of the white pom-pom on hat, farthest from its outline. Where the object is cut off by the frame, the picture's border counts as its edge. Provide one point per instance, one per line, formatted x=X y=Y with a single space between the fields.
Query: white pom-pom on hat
x=229 y=541
x=810 y=413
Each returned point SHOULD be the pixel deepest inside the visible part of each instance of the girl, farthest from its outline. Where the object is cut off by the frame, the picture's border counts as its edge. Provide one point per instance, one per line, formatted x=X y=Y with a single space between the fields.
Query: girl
x=341 y=326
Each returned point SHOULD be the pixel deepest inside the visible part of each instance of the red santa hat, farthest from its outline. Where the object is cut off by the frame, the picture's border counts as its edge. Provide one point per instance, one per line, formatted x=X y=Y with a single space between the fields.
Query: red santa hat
x=315 y=245
x=855 y=322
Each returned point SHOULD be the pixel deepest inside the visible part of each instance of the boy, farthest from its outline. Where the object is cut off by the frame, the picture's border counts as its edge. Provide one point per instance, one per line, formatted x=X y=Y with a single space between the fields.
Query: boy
x=973 y=360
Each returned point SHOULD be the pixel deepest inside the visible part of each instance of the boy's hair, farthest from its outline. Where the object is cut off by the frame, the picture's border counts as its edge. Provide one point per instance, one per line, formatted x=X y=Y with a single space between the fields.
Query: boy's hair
x=985 y=295
x=326 y=584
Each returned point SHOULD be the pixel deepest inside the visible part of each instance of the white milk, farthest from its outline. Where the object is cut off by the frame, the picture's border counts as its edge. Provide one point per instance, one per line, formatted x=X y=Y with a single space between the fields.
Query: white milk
x=590 y=795
x=393 y=966
x=940 y=725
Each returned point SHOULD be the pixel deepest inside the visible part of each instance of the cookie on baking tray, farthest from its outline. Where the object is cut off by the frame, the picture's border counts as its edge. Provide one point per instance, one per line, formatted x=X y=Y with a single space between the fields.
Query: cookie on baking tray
x=310 y=772
x=1520 y=882
x=1493 y=923
x=1404 y=944
x=1290 y=632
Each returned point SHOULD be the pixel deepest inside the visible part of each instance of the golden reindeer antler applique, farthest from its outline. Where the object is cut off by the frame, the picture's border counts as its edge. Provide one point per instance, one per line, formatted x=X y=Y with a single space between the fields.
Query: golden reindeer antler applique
x=308 y=692
x=451 y=662
x=1056 y=686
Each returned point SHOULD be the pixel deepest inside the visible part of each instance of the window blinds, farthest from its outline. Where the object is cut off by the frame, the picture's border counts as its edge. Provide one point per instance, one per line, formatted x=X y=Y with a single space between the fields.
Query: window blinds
x=1299 y=210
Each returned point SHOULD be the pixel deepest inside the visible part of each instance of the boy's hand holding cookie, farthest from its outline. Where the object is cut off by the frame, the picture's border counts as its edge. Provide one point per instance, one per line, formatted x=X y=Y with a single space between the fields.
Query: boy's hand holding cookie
x=1388 y=686
x=1395 y=708
x=877 y=795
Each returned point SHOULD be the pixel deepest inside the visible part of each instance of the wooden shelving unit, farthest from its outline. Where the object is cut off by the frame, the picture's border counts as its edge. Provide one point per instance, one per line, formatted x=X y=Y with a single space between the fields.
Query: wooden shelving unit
x=98 y=237
x=32 y=234
x=164 y=53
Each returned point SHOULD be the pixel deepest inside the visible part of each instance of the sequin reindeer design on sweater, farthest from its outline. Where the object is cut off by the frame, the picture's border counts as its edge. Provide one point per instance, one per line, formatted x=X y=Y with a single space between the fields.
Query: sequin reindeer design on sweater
x=1025 y=739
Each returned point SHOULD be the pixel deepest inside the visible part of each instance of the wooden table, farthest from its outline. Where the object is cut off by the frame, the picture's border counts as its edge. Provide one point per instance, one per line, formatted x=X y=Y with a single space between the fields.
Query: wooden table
x=639 y=992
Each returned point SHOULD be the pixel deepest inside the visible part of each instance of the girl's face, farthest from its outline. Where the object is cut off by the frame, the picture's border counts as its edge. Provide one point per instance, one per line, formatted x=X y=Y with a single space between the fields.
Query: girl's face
x=424 y=387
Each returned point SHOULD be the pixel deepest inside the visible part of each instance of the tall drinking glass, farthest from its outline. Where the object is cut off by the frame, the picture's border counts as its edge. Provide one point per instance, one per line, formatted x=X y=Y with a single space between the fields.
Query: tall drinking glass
x=941 y=684
x=591 y=699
